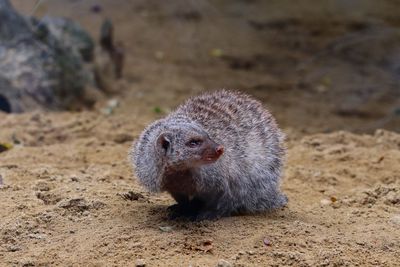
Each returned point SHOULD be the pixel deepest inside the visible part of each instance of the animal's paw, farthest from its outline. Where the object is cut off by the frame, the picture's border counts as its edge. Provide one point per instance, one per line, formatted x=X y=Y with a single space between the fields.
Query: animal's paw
x=279 y=202
x=207 y=215
x=180 y=211
x=174 y=208
x=174 y=211
x=283 y=201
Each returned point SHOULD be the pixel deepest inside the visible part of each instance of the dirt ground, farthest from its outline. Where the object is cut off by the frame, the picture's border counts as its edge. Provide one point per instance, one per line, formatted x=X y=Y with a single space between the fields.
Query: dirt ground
x=330 y=76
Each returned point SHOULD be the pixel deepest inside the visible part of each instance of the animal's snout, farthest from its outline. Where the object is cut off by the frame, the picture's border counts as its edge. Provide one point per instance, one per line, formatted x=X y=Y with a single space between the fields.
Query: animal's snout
x=219 y=150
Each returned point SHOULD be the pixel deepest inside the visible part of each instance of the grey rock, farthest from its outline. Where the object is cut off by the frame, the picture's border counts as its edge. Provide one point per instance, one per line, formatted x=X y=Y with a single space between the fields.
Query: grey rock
x=40 y=66
x=71 y=34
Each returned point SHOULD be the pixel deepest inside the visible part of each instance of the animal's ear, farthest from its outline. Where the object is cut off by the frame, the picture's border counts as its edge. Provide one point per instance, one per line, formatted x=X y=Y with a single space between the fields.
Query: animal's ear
x=164 y=142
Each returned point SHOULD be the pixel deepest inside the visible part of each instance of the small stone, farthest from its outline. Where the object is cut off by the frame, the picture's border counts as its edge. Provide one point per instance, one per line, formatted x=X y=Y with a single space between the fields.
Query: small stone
x=241 y=252
x=224 y=263
x=361 y=243
x=113 y=103
x=267 y=242
x=37 y=236
x=136 y=245
x=110 y=107
x=250 y=252
x=395 y=219
x=85 y=213
x=165 y=229
x=27 y=263
x=140 y=263
x=325 y=202
x=13 y=248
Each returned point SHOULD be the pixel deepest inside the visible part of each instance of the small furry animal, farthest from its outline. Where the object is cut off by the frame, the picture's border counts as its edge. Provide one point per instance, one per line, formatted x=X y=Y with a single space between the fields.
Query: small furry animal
x=218 y=154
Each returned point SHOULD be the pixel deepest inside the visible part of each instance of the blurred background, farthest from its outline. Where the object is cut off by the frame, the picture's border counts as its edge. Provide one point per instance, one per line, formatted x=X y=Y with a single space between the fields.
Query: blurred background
x=319 y=66
x=80 y=79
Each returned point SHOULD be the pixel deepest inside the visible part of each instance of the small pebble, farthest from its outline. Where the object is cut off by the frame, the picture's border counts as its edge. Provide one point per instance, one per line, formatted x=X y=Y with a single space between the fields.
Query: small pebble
x=37 y=236
x=267 y=242
x=13 y=248
x=165 y=228
x=140 y=263
x=395 y=219
x=224 y=263
x=325 y=202
x=85 y=213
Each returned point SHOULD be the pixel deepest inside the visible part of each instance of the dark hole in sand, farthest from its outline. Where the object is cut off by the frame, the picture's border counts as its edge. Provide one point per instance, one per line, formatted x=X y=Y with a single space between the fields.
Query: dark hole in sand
x=4 y=104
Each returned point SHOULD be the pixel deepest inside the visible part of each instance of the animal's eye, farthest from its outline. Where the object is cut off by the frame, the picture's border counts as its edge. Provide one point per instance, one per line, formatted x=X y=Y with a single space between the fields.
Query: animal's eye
x=194 y=142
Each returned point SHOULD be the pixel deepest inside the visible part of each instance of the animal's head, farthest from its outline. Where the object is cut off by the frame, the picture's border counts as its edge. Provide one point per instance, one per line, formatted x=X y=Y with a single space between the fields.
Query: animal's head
x=186 y=146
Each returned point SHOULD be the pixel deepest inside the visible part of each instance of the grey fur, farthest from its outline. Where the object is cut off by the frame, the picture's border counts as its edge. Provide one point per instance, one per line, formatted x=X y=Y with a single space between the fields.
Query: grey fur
x=245 y=178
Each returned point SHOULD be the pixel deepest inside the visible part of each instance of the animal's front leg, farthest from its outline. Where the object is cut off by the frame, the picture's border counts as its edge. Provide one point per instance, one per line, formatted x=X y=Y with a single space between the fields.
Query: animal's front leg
x=213 y=207
x=183 y=208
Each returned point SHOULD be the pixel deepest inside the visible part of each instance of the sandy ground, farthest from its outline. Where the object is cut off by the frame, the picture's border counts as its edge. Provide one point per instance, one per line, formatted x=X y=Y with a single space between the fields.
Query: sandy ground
x=68 y=194
x=68 y=197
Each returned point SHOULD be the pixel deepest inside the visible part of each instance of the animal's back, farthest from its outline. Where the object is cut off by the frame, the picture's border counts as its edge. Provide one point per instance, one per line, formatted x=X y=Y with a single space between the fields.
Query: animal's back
x=227 y=112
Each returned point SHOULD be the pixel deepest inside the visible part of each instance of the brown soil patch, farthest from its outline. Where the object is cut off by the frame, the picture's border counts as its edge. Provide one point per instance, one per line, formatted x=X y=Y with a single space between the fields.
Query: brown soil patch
x=67 y=190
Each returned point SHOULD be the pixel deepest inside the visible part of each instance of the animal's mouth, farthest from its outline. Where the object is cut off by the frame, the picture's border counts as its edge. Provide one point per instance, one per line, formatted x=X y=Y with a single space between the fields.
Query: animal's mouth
x=214 y=154
x=211 y=160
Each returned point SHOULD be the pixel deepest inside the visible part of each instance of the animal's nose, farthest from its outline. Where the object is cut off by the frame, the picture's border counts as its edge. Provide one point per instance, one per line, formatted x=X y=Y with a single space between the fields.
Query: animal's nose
x=219 y=150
